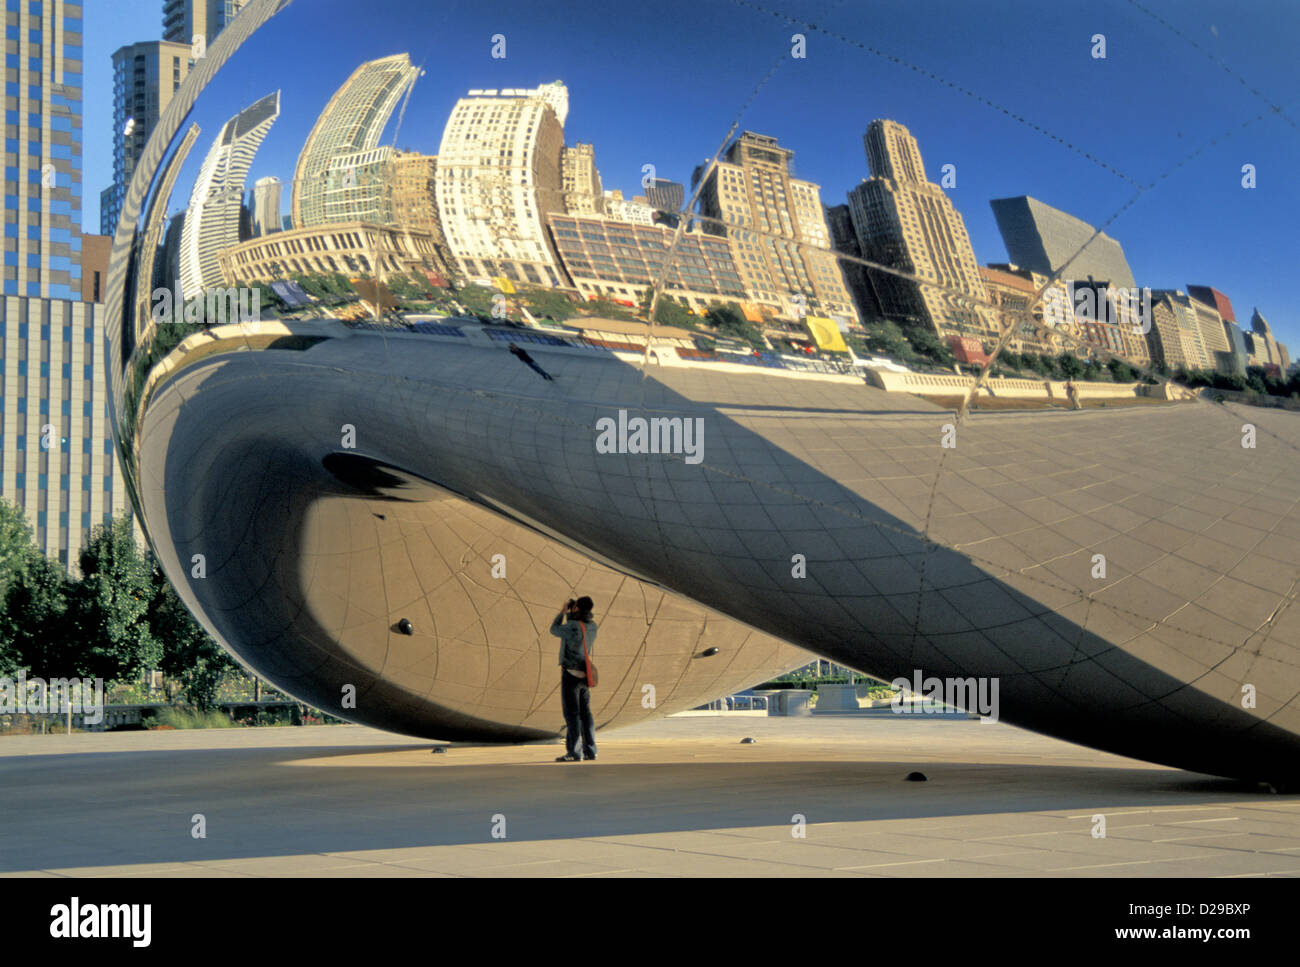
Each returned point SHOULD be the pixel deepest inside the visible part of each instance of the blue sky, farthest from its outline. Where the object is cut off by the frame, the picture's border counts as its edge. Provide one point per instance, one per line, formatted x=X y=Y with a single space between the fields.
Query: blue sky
x=662 y=83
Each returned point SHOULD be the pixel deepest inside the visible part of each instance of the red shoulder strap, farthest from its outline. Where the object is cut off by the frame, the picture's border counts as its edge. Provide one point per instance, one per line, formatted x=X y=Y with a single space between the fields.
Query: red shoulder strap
x=583 y=626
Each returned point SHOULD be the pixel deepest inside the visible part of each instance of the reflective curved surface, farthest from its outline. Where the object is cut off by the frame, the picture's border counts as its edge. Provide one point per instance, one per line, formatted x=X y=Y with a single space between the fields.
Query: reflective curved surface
x=371 y=464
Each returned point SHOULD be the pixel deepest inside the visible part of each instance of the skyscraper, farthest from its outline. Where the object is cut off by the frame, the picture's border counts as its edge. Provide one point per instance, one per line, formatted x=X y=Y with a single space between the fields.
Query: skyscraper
x=186 y=20
x=907 y=222
x=666 y=196
x=581 y=181
x=43 y=131
x=499 y=177
x=343 y=172
x=266 y=205
x=777 y=229
x=1046 y=239
x=145 y=76
x=57 y=459
x=216 y=205
x=1175 y=337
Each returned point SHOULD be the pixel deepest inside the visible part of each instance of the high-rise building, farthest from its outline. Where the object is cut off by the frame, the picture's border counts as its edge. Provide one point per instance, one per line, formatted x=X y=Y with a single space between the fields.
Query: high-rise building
x=43 y=174
x=1213 y=335
x=57 y=457
x=414 y=203
x=777 y=229
x=1265 y=350
x=907 y=222
x=665 y=196
x=1213 y=297
x=1175 y=338
x=342 y=173
x=580 y=181
x=1046 y=239
x=844 y=239
x=216 y=208
x=499 y=177
x=185 y=21
x=266 y=205
x=145 y=77
x=1237 y=346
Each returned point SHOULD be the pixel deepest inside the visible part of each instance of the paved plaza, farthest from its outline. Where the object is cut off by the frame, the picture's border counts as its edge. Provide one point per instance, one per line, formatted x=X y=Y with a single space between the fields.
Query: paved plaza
x=681 y=796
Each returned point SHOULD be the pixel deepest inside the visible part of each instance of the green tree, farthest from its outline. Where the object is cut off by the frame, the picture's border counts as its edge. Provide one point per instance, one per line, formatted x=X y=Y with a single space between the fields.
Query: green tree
x=110 y=605
x=927 y=343
x=16 y=547
x=36 y=631
x=189 y=654
x=1122 y=371
x=887 y=337
x=669 y=311
x=730 y=321
x=1071 y=366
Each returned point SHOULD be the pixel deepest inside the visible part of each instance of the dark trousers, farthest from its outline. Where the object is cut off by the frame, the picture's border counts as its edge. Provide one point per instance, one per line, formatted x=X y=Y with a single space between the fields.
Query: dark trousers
x=537 y=369
x=575 y=699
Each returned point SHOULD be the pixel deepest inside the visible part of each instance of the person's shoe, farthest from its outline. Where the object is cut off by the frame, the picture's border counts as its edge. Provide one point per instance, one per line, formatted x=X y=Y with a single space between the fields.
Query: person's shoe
x=589 y=757
x=568 y=757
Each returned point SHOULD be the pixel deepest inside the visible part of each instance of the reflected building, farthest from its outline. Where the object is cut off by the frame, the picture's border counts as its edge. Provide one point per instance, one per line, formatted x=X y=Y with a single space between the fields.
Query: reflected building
x=342 y=172
x=349 y=249
x=608 y=259
x=581 y=181
x=499 y=176
x=777 y=229
x=266 y=205
x=1047 y=240
x=907 y=222
x=191 y=22
x=1176 y=339
x=216 y=208
x=145 y=77
x=1214 y=336
x=414 y=203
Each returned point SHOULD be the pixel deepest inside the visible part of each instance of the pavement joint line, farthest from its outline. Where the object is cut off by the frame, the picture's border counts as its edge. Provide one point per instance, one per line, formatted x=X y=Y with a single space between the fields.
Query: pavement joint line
x=1100 y=866
x=876 y=866
x=1222 y=819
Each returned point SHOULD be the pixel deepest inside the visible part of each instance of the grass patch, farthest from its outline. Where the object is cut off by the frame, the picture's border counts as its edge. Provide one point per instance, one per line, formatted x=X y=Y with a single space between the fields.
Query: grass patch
x=174 y=718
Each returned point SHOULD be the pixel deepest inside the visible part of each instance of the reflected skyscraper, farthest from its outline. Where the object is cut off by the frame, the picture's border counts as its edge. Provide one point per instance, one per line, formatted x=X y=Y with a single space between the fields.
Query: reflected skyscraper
x=213 y=216
x=342 y=173
x=145 y=77
x=186 y=20
x=907 y=222
x=266 y=206
x=499 y=176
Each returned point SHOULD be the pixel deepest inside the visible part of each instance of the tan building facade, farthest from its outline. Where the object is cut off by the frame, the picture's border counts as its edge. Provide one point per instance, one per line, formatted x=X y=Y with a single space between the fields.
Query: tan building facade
x=777 y=229
x=356 y=249
x=908 y=223
x=581 y=181
x=414 y=203
x=614 y=260
x=1040 y=327
x=498 y=178
x=58 y=461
